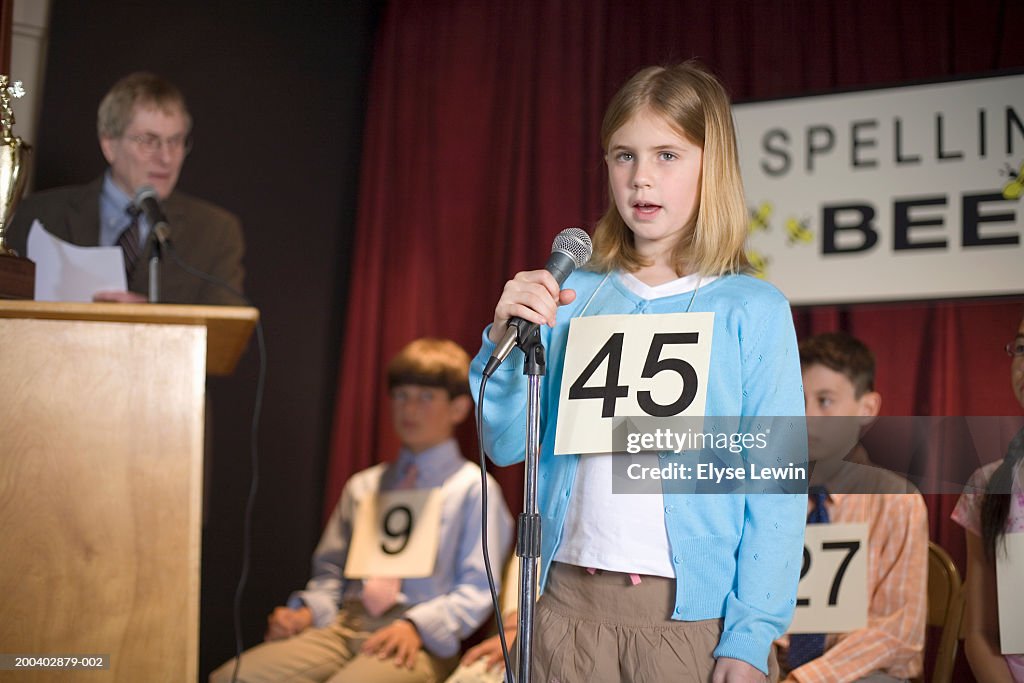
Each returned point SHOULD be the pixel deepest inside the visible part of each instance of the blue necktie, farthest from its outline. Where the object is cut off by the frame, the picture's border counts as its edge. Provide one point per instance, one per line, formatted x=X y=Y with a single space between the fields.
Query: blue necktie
x=803 y=647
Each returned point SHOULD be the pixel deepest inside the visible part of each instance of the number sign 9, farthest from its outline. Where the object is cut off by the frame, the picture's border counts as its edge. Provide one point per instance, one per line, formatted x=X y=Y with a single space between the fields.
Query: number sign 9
x=396 y=529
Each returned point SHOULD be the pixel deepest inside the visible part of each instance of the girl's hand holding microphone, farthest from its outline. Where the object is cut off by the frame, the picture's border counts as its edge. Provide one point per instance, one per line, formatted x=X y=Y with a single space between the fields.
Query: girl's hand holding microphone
x=532 y=295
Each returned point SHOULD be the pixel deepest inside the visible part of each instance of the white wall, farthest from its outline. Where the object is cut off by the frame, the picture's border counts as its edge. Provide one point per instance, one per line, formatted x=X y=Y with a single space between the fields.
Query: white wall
x=28 y=63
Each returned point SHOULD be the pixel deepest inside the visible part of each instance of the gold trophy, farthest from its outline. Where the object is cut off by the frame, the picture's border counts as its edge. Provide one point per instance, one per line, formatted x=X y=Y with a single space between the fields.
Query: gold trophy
x=17 y=275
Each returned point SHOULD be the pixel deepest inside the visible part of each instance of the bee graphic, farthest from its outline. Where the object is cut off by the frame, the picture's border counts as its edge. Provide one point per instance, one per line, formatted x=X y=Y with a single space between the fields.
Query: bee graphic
x=797 y=231
x=759 y=263
x=1013 y=189
x=759 y=217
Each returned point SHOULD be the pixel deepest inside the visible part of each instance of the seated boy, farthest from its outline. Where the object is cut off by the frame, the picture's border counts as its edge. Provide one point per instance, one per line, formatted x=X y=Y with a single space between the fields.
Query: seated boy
x=349 y=630
x=838 y=377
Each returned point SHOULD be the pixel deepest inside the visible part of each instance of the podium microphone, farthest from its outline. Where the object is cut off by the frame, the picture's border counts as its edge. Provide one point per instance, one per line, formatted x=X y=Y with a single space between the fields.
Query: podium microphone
x=146 y=200
x=571 y=249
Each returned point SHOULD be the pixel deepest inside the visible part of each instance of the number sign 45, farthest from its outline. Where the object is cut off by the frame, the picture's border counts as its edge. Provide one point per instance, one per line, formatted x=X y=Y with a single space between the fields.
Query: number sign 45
x=630 y=366
x=395 y=534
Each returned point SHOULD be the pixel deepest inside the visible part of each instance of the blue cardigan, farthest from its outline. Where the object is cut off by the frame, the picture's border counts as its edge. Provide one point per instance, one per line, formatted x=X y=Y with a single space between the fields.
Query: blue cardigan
x=736 y=556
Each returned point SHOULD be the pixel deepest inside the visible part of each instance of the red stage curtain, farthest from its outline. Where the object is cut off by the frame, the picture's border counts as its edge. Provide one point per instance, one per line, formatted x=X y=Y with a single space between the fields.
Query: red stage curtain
x=481 y=143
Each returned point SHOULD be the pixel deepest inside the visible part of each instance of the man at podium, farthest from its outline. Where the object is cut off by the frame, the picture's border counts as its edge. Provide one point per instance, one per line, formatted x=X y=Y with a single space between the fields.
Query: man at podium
x=145 y=134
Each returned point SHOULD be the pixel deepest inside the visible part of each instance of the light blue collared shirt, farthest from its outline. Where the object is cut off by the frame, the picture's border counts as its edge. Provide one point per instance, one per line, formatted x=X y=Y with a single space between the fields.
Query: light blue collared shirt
x=449 y=605
x=114 y=218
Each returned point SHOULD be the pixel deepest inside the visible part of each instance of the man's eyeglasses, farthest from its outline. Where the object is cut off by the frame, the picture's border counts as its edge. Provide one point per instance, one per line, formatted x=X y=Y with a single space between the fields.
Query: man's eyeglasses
x=1015 y=349
x=152 y=144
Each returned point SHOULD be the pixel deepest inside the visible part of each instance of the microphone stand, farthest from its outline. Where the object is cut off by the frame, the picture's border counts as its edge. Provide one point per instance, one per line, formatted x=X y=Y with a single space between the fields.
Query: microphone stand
x=529 y=528
x=154 y=271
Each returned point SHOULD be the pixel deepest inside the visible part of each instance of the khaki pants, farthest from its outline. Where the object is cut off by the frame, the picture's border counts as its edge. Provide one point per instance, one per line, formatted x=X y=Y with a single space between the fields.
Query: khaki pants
x=477 y=672
x=602 y=629
x=331 y=654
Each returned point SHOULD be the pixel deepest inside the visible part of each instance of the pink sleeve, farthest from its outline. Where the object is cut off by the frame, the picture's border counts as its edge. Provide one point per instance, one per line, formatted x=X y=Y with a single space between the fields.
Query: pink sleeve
x=967 y=512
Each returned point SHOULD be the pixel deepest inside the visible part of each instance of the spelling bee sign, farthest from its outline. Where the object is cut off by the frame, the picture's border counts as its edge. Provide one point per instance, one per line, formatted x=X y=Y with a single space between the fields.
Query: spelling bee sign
x=902 y=193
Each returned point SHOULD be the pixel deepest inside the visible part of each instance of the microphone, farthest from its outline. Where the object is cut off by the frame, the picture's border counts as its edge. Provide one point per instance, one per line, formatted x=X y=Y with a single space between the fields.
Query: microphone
x=146 y=200
x=570 y=250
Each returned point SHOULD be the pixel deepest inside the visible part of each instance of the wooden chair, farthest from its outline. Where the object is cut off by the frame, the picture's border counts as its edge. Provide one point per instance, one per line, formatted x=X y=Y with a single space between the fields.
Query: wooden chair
x=945 y=610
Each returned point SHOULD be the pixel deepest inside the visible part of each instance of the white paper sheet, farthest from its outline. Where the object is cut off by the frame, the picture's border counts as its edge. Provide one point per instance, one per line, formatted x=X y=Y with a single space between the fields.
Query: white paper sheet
x=1009 y=569
x=65 y=272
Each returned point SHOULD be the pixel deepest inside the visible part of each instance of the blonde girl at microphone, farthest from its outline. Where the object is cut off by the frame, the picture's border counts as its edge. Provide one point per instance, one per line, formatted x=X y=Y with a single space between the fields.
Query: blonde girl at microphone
x=667 y=586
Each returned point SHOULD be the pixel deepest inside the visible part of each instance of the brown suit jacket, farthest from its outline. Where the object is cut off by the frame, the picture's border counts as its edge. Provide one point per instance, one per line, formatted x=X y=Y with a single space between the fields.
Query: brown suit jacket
x=204 y=236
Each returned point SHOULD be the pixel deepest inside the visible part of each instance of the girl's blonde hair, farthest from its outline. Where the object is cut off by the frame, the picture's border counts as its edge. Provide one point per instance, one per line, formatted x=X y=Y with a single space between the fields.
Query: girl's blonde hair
x=694 y=103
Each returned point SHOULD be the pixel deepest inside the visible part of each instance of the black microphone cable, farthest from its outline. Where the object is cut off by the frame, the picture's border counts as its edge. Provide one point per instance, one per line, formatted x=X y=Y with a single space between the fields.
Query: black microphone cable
x=509 y=677
x=250 y=502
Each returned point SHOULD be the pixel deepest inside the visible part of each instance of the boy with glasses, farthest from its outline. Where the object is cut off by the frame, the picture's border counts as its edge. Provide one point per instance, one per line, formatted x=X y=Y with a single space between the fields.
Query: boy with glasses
x=353 y=624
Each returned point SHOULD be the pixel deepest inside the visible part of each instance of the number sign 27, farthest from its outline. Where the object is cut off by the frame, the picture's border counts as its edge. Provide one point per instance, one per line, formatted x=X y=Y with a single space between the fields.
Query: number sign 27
x=833 y=593
x=630 y=366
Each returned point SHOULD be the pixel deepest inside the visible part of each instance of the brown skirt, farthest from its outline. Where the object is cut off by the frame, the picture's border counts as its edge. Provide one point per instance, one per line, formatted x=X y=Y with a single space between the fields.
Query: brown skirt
x=601 y=628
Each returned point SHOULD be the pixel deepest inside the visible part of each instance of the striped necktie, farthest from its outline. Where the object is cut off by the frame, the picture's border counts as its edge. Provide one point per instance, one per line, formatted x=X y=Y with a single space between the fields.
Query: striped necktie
x=128 y=240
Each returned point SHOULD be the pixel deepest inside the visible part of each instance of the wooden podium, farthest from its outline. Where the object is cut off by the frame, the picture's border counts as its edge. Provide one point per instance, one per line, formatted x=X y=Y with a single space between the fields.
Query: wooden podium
x=101 y=448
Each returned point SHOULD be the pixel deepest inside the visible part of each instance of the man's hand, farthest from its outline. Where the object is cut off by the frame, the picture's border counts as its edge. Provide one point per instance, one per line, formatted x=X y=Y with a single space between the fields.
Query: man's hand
x=119 y=297
x=729 y=670
x=490 y=651
x=286 y=622
x=399 y=638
